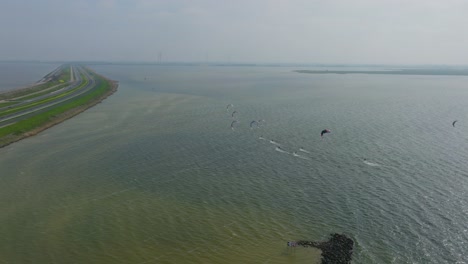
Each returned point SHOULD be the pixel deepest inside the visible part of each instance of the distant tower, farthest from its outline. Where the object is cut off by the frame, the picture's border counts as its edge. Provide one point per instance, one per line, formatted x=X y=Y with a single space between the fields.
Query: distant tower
x=159 y=57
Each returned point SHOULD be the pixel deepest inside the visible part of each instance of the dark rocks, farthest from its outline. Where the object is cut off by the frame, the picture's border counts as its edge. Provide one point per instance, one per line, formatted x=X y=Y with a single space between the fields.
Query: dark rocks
x=337 y=250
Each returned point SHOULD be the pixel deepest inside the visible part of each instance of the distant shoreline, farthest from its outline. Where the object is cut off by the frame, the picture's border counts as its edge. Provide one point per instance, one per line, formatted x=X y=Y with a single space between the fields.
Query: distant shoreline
x=437 y=72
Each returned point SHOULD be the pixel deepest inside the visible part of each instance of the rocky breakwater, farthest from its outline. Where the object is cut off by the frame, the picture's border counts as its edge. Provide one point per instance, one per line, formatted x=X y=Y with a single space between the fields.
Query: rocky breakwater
x=337 y=250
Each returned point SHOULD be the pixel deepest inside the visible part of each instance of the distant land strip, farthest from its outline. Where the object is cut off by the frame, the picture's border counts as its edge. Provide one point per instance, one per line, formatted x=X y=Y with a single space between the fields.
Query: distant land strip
x=58 y=96
x=450 y=72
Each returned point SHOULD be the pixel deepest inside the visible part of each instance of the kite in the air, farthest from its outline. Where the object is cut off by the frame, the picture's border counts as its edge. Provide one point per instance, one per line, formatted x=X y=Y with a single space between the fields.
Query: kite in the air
x=254 y=124
x=233 y=124
x=324 y=132
x=234 y=114
x=453 y=124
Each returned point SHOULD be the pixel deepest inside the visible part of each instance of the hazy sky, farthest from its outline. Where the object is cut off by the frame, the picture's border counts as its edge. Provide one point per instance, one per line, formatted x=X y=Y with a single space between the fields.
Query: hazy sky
x=270 y=31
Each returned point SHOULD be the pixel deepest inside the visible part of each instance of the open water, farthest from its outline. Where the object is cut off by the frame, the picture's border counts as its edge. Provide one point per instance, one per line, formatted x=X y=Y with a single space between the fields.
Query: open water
x=22 y=74
x=155 y=174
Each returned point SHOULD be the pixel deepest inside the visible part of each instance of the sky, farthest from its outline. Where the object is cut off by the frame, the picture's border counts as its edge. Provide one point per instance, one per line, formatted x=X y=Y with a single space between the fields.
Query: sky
x=237 y=31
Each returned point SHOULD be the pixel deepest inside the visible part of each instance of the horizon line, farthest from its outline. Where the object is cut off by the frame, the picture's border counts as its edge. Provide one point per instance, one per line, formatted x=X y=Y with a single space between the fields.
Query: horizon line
x=227 y=63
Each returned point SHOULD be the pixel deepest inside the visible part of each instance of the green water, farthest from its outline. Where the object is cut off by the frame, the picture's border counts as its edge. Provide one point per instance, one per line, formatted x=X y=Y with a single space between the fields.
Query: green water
x=155 y=174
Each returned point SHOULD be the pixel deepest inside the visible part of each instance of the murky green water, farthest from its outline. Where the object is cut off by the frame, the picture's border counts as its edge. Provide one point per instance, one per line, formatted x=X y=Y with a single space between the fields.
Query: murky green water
x=155 y=174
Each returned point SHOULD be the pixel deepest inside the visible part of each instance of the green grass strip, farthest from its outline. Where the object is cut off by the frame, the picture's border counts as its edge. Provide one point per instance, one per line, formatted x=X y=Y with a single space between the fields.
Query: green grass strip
x=6 y=104
x=42 y=118
x=46 y=100
x=45 y=92
x=63 y=77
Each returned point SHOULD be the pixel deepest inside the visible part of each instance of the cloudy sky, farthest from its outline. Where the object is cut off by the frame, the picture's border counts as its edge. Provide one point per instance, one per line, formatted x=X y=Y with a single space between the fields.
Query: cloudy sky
x=263 y=31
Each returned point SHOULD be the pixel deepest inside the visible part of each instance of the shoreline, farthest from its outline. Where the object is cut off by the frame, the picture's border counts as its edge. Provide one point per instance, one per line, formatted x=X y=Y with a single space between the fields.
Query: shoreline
x=10 y=139
x=430 y=72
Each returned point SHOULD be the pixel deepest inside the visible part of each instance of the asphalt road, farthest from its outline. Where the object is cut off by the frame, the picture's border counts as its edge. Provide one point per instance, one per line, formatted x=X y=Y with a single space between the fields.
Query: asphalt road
x=31 y=111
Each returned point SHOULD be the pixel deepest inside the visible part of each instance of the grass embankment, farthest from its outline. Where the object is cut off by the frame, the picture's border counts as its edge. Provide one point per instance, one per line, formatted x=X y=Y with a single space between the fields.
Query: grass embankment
x=62 y=79
x=44 y=92
x=58 y=114
x=6 y=104
x=46 y=100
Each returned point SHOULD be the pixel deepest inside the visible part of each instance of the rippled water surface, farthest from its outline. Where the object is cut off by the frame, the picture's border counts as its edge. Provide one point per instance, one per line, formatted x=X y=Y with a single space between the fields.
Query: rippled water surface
x=155 y=174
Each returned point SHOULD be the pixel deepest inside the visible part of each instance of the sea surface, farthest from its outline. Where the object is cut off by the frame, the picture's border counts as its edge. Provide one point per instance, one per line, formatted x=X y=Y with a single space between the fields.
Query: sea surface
x=14 y=75
x=156 y=174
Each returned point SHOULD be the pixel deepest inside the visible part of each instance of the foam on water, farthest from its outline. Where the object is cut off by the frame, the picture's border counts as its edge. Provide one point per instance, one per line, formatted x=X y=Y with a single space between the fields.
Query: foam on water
x=303 y=150
x=279 y=149
x=370 y=163
x=154 y=174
